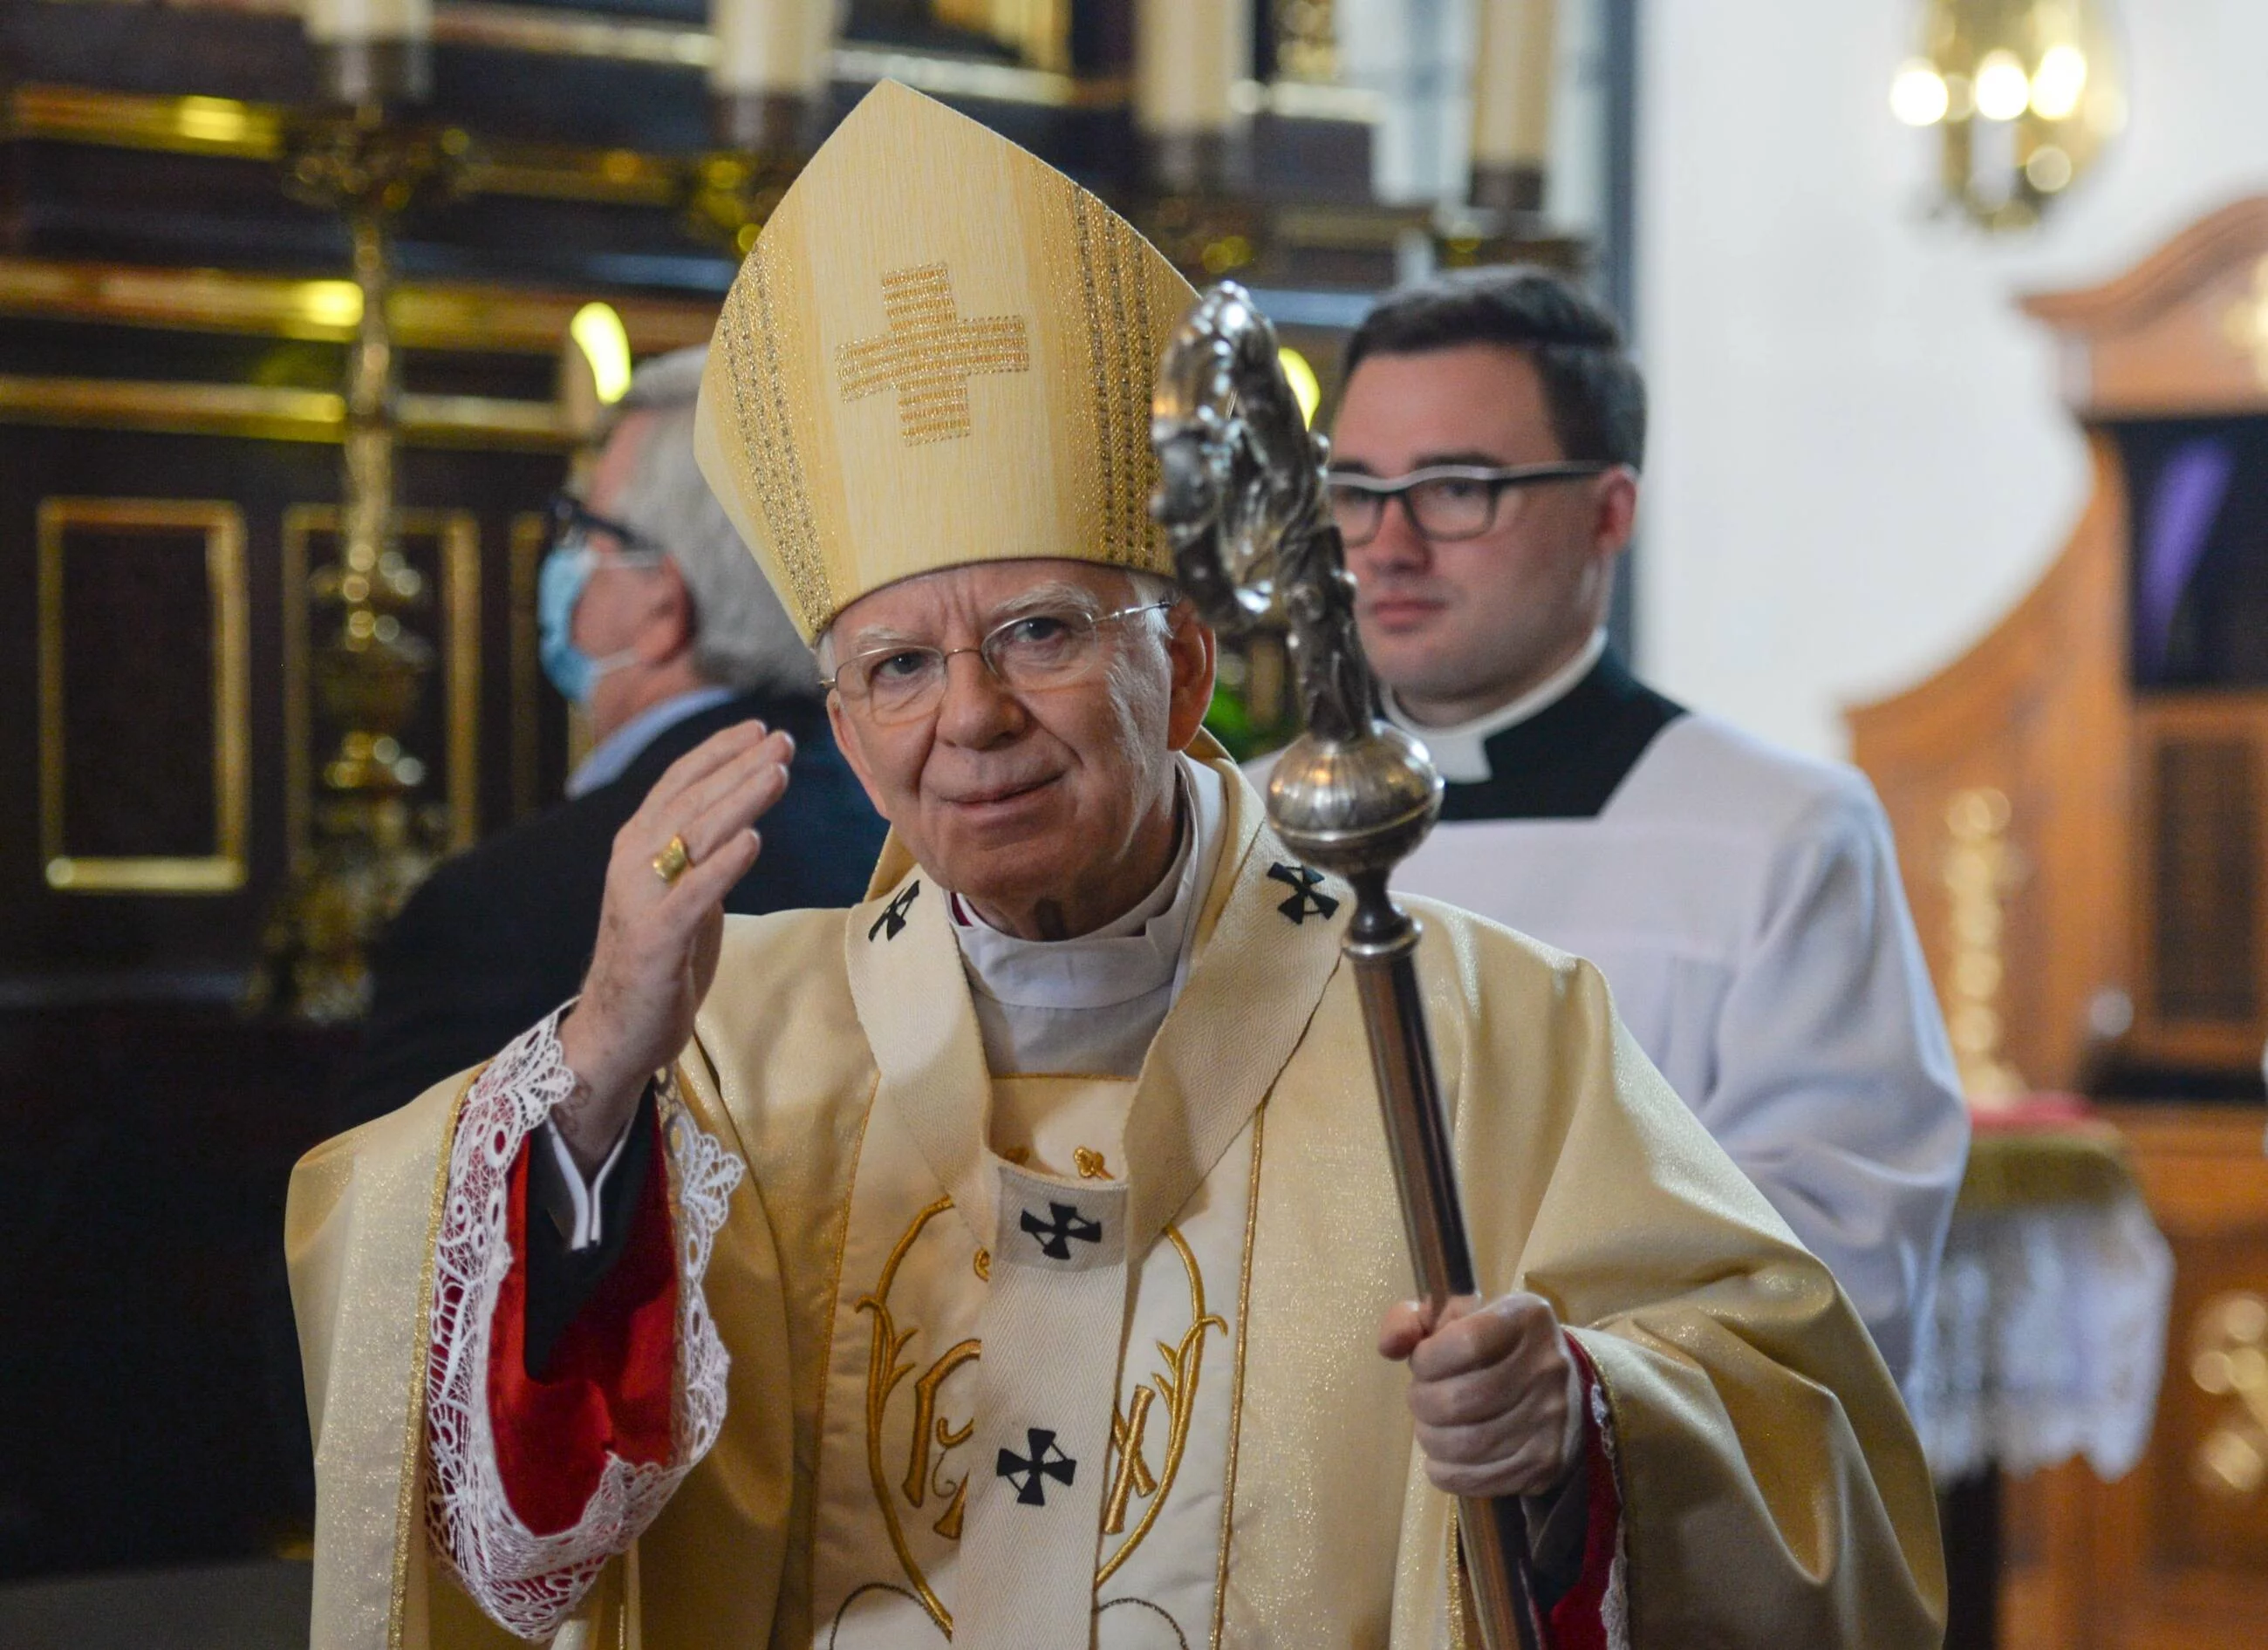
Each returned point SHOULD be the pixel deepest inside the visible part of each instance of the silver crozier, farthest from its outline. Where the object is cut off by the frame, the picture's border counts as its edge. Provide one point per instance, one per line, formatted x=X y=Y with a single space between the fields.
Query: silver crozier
x=1242 y=500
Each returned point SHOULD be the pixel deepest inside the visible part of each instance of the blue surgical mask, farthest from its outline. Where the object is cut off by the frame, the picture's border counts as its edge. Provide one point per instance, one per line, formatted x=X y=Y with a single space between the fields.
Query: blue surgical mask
x=558 y=588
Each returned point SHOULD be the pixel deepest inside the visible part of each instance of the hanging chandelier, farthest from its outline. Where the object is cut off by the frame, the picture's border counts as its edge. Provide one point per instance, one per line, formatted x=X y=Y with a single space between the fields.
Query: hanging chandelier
x=2022 y=94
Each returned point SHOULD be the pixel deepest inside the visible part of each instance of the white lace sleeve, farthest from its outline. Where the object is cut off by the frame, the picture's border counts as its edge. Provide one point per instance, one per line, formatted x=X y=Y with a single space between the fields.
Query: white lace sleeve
x=530 y=1583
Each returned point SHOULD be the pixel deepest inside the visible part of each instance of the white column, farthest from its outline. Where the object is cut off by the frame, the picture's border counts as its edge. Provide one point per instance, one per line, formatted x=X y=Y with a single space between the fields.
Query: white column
x=1513 y=65
x=778 y=48
x=1189 y=54
x=353 y=22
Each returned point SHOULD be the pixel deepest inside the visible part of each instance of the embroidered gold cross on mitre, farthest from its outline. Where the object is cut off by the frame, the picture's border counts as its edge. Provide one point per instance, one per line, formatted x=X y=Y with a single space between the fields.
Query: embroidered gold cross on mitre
x=929 y=354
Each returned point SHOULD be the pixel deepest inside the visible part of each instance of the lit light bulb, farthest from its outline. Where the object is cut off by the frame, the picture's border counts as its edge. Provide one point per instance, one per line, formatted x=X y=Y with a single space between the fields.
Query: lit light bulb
x=213 y=120
x=2003 y=90
x=598 y=332
x=2056 y=86
x=1301 y=377
x=1918 y=93
x=331 y=302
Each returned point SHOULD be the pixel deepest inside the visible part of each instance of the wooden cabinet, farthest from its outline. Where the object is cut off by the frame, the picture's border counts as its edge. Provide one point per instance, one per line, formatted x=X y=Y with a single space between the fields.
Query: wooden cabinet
x=2200 y=908
x=2121 y=710
x=2174 y=1554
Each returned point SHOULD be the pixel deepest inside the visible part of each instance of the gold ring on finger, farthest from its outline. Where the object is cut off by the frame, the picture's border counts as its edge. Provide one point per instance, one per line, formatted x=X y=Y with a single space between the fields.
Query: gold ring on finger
x=672 y=861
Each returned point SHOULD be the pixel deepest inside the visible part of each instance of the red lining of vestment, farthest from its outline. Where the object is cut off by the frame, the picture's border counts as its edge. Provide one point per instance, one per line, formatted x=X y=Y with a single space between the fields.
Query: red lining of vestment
x=613 y=1374
x=1578 y=1622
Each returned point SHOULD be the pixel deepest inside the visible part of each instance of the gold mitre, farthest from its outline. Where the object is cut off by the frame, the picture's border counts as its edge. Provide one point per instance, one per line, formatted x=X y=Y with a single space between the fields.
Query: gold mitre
x=939 y=352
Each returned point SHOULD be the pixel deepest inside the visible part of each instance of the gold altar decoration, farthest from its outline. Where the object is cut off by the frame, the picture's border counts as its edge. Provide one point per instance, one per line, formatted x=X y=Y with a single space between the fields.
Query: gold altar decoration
x=2245 y=324
x=1037 y=31
x=768 y=84
x=732 y=193
x=2076 y=1161
x=217 y=527
x=372 y=839
x=1980 y=868
x=2230 y=1359
x=2022 y=94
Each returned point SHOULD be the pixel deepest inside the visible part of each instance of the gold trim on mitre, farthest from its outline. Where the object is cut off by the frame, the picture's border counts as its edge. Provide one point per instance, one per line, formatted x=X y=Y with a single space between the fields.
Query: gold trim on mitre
x=940 y=352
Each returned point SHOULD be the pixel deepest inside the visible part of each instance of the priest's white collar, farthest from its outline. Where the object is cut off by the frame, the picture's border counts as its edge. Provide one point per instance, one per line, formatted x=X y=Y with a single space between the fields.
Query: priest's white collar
x=1460 y=750
x=1143 y=951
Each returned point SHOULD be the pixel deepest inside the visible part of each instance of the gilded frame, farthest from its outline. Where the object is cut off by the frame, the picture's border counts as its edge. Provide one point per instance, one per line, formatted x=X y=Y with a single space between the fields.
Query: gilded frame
x=225 y=870
x=267 y=413
x=458 y=534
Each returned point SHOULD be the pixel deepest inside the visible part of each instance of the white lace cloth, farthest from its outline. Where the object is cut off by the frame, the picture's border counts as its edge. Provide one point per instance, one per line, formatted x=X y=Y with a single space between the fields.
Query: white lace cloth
x=2047 y=1340
x=1614 y=1606
x=530 y=1583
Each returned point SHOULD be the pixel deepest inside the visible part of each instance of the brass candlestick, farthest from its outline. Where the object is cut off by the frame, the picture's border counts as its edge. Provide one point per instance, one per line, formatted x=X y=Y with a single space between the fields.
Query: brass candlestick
x=1980 y=868
x=762 y=140
x=1242 y=500
x=368 y=842
x=732 y=193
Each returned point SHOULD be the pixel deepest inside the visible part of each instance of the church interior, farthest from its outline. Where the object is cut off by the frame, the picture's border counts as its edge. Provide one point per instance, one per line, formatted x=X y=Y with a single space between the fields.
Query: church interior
x=1953 y=316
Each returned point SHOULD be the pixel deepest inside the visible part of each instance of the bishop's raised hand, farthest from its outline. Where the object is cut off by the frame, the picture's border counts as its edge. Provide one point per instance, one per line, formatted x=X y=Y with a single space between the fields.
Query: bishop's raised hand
x=659 y=935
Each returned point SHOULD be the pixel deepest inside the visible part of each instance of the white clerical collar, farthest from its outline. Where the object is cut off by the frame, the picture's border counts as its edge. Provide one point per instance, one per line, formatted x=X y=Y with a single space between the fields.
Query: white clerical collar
x=1460 y=750
x=1139 y=953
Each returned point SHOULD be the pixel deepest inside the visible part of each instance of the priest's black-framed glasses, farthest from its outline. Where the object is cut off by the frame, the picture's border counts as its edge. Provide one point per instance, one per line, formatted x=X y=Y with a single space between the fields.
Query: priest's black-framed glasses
x=1032 y=651
x=1444 y=501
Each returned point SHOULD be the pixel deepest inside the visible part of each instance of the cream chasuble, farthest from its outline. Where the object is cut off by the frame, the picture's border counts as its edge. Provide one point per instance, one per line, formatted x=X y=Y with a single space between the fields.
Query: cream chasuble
x=1126 y=1392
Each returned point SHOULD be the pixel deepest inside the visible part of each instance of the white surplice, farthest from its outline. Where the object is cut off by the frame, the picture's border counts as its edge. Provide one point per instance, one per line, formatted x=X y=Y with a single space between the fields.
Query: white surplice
x=1743 y=903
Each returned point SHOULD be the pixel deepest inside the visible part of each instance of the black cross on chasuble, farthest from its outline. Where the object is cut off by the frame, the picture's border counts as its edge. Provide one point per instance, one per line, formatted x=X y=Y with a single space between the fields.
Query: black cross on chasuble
x=1055 y=1233
x=1305 y=901
x=891 y=922
x=1044 y=1460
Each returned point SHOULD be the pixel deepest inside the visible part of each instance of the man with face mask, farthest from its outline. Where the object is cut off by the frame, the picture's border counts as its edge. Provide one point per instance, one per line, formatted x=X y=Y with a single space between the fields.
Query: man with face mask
x=655 y=621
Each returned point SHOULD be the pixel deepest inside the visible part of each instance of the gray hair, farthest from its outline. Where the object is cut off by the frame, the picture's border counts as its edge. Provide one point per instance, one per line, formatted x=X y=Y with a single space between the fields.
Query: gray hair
x=1155 y=590
x=742 y=638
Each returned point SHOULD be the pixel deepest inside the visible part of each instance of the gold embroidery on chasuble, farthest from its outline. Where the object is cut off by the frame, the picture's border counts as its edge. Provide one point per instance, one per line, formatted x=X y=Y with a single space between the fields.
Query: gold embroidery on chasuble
x=894 y=1495
x=1089 y=1436
x=929 y=354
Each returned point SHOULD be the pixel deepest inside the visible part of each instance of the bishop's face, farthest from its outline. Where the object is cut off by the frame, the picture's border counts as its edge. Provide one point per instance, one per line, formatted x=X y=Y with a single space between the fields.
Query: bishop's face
x=1049 y=808
x=1457 y=627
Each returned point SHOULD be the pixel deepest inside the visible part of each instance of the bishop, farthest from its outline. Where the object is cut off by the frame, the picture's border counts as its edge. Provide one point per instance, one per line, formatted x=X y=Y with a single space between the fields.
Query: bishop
x=1013 y=1258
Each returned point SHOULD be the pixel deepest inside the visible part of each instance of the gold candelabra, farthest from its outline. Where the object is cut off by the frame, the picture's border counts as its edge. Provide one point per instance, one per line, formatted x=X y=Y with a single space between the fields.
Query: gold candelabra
x=2228 y=1358
x=1979 y=870
x=733 y=192
x=2022 y=96
x=369 y=841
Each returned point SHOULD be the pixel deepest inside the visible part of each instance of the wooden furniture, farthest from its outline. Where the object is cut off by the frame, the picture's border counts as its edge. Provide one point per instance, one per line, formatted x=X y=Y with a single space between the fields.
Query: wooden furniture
x=2170 y=1556
x=2120 y=710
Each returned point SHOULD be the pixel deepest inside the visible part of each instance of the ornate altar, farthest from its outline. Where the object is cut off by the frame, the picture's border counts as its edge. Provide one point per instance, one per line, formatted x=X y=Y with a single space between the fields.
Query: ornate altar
x=2115 y=726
